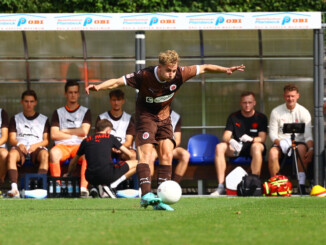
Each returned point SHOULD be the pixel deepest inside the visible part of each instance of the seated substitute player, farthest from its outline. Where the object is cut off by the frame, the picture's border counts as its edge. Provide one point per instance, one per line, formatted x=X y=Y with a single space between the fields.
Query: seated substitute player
x=179 y=153
x=70 y=124
x=28 y=136
x=290 y=112
x=97 y=150
x=123 y=124
x=157 y=86
x=244 y=135
x=4 y=124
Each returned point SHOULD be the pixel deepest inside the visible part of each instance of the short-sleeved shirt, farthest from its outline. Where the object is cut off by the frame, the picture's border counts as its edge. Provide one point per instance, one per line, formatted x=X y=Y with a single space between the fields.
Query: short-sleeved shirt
x=64 y=119
x=155 y=96
x=98 y=149
x=4 y=122
x=240 y=125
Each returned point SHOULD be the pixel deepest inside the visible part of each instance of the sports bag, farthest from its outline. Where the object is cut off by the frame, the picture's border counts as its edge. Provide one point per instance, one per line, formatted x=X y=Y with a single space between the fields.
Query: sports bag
x=250 y=185
x=278 y=185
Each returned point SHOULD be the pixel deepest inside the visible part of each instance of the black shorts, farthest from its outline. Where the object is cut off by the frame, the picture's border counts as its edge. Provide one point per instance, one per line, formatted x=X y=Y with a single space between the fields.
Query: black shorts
x=245 y=151
x=108 y=175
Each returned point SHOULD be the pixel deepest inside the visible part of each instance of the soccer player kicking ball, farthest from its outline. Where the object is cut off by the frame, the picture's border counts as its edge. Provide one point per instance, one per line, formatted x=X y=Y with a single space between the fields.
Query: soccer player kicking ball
x=157 y=86
x=97 y=150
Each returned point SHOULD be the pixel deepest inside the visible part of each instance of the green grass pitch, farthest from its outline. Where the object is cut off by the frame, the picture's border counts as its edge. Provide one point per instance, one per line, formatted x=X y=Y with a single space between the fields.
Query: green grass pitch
x=292 y=220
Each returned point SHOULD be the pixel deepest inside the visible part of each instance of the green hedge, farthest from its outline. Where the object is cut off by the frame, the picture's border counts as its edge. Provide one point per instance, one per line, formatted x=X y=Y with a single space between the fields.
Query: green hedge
x=130 y=6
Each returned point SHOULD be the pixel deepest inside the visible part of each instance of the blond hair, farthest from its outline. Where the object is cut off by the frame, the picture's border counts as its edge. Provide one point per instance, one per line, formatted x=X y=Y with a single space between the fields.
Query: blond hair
x=168 y=57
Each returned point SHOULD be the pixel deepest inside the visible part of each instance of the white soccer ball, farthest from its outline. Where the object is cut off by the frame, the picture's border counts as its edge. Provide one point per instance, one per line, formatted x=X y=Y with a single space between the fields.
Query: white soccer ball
x=169 y=191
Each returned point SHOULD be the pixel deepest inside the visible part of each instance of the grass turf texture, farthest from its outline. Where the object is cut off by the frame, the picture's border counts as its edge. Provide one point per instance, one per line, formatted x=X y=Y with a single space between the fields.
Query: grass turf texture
x=294 y=220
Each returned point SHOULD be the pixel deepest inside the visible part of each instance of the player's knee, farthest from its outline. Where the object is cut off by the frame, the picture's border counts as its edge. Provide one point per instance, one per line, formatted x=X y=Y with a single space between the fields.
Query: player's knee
x=55 y=155
x=3 y=154
x=220 y=148
x=273 y=153
x=167 y=156
x=185 y=156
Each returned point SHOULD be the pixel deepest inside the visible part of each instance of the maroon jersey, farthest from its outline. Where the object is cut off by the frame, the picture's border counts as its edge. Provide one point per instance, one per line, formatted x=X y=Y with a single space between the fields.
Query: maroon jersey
x=155 y=96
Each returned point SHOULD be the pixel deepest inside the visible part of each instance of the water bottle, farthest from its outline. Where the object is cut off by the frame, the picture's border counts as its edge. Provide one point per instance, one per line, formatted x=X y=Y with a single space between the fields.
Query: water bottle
x=57 y=189
x=51 y=188
x=70 y=189
x=63 y=188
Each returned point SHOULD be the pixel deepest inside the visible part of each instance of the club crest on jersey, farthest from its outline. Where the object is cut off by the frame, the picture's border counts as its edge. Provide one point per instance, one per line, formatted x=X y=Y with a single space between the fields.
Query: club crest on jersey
x=254 y=125
x=145 y=135
x=173 y=87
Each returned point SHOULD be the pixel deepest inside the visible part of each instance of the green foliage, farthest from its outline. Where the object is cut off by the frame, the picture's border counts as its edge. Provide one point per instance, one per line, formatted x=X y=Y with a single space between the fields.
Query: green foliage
x=143 y=6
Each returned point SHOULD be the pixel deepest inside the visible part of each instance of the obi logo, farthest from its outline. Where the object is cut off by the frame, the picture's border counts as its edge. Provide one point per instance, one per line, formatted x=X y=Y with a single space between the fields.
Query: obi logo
x=286 y=19
x=21 y=21
x=87 y=21
x=219 y=20
x=155 y=20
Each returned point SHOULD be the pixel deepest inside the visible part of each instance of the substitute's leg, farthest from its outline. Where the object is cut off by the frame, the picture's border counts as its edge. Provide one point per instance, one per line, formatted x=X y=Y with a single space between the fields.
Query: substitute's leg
x=256 y=152
x=183 y=157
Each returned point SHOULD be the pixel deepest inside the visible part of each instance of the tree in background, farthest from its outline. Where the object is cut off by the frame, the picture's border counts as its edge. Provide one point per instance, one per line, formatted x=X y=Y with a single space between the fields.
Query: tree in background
x=136 y=6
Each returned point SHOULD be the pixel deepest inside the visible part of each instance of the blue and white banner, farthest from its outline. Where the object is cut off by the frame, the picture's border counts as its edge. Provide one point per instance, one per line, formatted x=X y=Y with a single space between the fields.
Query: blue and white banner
x=161 y=21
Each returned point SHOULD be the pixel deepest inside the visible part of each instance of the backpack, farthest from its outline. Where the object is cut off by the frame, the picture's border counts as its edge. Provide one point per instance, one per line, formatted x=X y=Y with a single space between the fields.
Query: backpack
x=278 y=185
x=250 y=185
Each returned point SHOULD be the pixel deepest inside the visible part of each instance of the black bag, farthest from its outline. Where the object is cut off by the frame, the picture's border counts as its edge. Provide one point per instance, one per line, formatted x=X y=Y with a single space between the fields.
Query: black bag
x=250 y=185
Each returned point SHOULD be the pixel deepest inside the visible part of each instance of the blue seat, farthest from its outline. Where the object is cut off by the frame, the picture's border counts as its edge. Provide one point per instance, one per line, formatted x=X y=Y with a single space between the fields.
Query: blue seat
x=240 y=160
x=202 y=149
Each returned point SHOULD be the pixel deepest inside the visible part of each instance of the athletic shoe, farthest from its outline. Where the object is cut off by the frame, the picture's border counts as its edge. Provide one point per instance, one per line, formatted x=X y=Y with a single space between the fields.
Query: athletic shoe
x=94 y=192
x=128 y=193
x=149 y=199
x=162 y=206
x=84 y=192
x=13 y=193
x=218 y=192
x=109 y=191
x=102 y=193
x=318 y=191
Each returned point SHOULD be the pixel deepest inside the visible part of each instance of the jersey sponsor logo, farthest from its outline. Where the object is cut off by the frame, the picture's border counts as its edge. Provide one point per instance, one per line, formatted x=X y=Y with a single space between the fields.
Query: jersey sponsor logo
x=173 y=87
x=253 y=130
x=25 y=134
x=145 y=135
x=238 y=124
x=159 y=99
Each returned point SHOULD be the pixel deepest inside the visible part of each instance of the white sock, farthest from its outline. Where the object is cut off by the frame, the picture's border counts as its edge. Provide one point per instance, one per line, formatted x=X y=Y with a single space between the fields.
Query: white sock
x=118 y=181
x=14 y=186
x=302 y=178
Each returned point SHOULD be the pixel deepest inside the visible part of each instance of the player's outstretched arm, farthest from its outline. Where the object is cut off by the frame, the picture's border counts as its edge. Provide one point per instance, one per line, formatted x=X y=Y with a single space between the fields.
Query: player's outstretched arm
x=206 y=68
x=108 y=84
